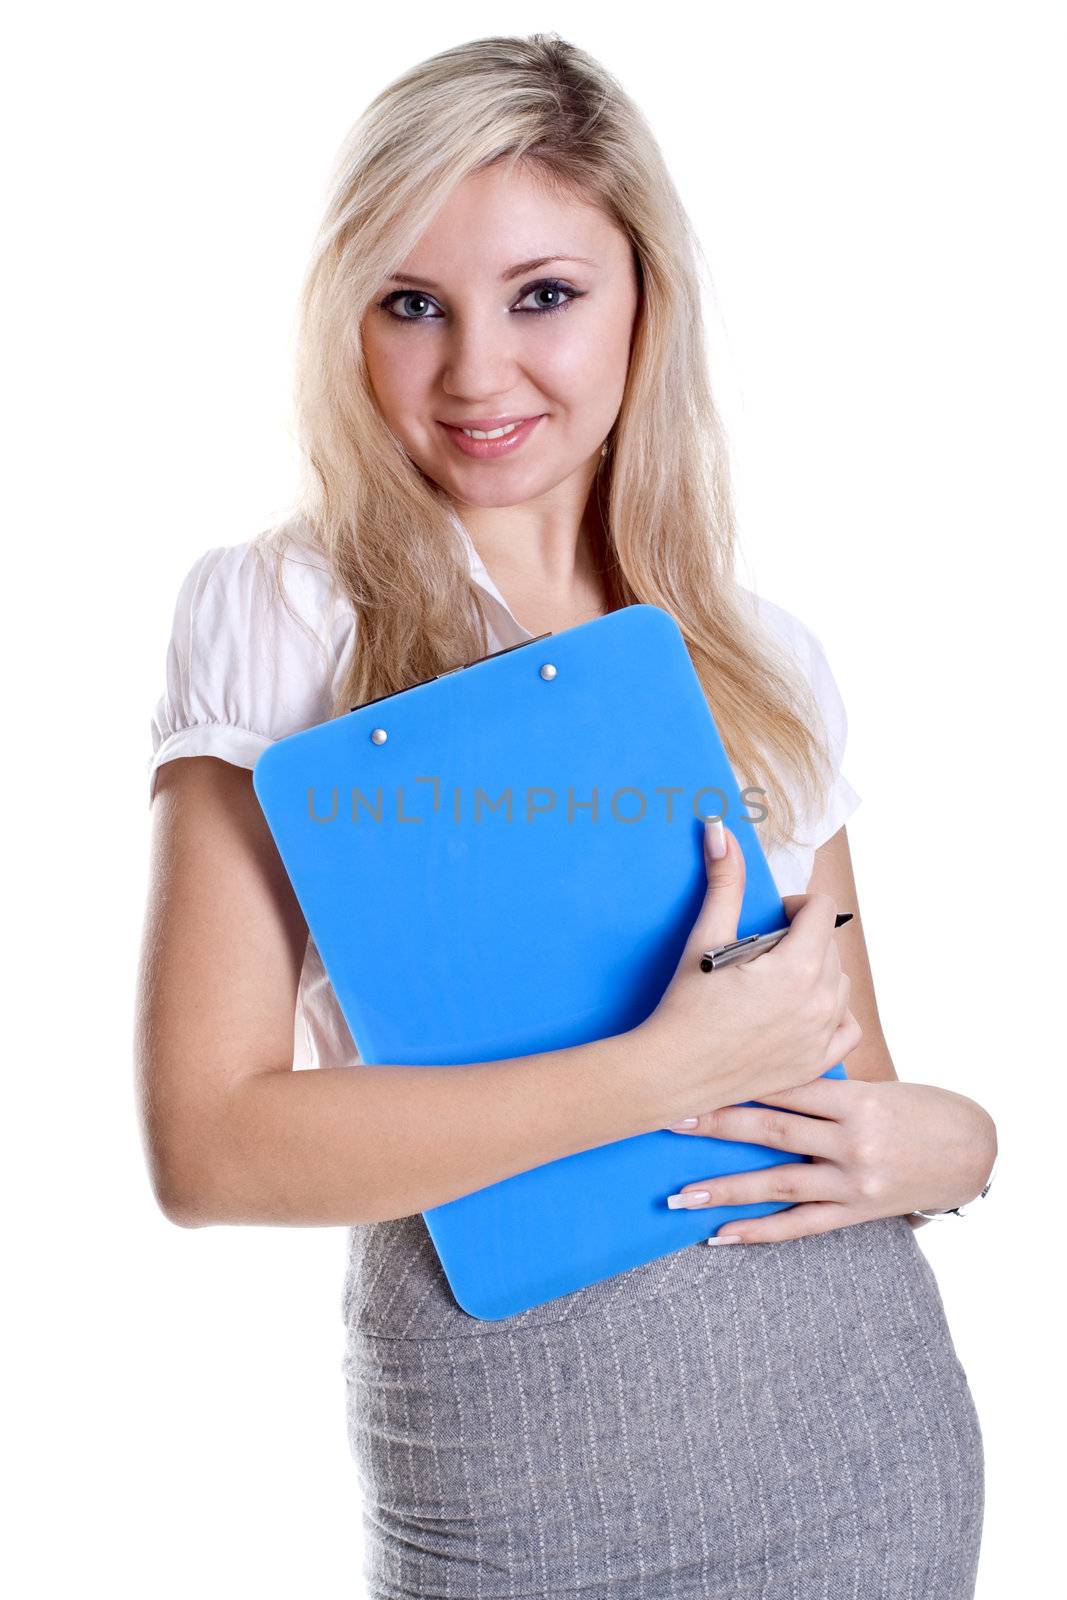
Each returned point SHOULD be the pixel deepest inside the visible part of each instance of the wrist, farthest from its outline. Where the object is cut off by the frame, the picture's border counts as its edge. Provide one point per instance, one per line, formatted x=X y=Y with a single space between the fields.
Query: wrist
x=641 y=1078
x=656 y=1087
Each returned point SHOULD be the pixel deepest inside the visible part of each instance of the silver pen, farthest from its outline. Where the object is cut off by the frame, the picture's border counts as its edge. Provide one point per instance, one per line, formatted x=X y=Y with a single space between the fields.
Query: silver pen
x=754 y=945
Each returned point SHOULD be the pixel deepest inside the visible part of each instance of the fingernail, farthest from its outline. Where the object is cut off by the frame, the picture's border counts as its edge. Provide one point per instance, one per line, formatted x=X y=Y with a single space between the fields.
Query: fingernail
x=725 y=1238
x=716 y=837
x=691 y=1197
x=686 y=1122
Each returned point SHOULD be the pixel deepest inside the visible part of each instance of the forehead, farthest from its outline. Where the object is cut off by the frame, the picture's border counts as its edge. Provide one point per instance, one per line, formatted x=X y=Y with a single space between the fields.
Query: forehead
x=494 y=219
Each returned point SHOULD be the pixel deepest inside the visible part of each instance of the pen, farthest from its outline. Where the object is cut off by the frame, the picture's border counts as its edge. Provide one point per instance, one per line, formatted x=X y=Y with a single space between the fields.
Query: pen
x=755 y=944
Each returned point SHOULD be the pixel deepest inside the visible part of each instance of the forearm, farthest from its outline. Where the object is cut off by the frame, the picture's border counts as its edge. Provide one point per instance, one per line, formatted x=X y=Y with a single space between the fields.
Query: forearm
x=341 y=1145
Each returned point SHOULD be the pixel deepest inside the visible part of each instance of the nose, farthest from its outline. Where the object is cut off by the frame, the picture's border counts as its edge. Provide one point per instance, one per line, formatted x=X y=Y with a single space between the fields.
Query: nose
x=479 y=361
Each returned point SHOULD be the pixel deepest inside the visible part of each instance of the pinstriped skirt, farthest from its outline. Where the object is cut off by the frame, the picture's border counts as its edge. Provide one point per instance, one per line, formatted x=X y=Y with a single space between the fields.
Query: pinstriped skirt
x=776 y=1421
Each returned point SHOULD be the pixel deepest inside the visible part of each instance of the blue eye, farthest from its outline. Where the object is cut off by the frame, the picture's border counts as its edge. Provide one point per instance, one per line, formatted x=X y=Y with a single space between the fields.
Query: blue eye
x=546 y=285
x=551 y=286
x=399 y=295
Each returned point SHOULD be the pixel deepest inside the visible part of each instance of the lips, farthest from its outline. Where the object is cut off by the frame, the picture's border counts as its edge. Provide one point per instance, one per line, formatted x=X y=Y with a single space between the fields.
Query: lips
x=486 y=424
x=490 y=449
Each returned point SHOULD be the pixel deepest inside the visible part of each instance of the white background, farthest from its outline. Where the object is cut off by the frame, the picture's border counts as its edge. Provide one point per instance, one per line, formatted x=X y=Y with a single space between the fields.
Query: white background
x=878 y=189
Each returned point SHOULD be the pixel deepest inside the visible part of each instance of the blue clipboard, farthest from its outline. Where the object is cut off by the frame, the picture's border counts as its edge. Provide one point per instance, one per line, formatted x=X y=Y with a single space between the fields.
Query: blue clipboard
x=455 y=927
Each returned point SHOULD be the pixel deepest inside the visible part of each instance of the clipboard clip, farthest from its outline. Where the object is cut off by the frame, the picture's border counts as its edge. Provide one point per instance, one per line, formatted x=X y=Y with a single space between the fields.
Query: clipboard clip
x=450 y=670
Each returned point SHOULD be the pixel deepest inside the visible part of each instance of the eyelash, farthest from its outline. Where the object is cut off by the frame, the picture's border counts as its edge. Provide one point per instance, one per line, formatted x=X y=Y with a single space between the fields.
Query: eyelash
x=538 y=311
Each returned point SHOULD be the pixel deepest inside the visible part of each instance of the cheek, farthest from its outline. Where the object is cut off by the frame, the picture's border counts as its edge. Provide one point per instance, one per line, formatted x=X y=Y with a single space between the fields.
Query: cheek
x=395 y=373
x=587 y=369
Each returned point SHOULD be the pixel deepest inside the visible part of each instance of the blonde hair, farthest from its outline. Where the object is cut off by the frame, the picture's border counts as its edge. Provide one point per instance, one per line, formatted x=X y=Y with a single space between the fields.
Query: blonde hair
x=387 y=532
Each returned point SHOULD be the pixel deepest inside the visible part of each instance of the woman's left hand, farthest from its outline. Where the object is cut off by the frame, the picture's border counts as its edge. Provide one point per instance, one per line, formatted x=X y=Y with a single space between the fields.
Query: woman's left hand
x=879 y=1149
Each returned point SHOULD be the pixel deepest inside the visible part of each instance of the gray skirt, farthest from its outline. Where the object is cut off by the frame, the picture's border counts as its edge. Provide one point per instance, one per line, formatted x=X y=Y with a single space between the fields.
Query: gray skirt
x=781 y=1421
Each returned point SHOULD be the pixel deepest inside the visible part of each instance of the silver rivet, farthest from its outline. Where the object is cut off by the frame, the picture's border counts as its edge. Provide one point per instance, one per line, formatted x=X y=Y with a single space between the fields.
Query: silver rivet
x=548 y=671
x=379 y=736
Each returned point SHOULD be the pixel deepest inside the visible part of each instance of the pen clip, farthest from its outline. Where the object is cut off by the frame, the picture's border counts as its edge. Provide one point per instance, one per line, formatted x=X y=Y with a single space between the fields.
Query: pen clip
x=735 y=944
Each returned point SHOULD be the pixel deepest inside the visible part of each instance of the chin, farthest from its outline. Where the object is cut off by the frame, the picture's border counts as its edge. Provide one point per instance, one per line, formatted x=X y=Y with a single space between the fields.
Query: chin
x=491 y=497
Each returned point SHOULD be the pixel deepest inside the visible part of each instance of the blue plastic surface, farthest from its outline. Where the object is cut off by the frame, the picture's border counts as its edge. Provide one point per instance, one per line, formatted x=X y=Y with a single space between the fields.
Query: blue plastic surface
x=452 y=934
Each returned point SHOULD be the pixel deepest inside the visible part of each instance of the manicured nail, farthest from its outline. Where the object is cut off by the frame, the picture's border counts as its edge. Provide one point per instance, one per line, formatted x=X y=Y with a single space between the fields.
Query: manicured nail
x=686 y=1122
x=691 y=1197
x=716 y=837
x=725 y=1238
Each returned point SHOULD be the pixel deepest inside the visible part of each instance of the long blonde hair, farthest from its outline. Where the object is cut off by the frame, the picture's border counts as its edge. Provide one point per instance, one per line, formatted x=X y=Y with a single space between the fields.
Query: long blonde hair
x=387 y=532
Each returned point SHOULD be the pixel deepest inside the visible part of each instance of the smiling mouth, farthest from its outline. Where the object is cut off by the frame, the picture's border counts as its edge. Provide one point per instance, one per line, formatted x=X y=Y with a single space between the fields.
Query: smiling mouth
x=484 y=428
x=485 y=444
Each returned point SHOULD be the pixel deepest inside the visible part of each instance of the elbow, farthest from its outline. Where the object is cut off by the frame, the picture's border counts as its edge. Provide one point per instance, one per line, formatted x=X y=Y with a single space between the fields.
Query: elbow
x=985 y=1137
x=185 y=1139
x=182 y=1182
x=992 y=1142
x=183 y=1209
x=184 y=1202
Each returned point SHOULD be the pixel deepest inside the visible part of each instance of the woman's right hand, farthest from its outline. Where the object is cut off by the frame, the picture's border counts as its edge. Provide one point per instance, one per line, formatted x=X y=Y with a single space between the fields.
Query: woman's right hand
x=758 y=1026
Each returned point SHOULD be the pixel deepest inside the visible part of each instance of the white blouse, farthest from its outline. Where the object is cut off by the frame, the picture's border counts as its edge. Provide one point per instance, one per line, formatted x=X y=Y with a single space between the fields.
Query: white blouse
x=241 y=673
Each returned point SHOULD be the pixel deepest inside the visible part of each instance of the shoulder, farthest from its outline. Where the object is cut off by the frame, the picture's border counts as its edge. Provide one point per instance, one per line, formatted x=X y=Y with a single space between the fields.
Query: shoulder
x=805 y=648
x=259 y=637
x=271 y=601
x=230 y=589
x=786 y=628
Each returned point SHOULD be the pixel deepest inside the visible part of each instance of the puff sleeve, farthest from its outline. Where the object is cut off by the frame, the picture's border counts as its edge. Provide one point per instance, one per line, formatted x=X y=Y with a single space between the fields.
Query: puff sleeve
x=806 y=647
x=843 y=798
x=241 y=670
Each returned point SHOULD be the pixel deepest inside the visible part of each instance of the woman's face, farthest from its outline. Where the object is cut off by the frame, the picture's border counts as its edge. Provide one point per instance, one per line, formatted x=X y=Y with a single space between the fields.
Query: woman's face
x=516 y=303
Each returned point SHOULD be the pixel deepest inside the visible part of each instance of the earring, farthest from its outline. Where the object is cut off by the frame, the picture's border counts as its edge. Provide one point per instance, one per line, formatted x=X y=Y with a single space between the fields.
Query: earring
x=604 y=448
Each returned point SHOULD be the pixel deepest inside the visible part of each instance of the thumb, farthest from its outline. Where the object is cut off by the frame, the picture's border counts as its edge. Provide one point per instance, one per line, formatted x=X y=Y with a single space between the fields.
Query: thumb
x=719 y=915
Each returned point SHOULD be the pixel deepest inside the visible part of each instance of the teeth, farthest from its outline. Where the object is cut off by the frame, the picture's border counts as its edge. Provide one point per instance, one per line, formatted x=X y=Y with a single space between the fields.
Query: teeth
x=497 y=433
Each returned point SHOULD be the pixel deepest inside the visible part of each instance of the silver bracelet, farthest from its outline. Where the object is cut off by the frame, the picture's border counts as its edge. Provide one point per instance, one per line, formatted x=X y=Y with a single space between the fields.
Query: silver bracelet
x=960 y=1211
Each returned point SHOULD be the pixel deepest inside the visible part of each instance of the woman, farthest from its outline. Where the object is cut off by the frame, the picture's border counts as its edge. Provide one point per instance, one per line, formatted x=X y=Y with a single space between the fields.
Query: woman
x=504 y=404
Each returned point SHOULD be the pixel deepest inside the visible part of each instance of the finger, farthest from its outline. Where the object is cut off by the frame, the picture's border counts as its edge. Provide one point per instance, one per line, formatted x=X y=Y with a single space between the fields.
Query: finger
x=845 y=1039
x=820 y=1216
x=844 y=991
x=716 y=922
x=832 y=968
x=778 y=1129
x=829 y=1098
x=791 y=1182
x=810 y=929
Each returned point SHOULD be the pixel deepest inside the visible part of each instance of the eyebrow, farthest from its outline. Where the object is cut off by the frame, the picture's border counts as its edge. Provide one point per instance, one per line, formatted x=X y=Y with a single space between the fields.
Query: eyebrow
x=516 y=271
